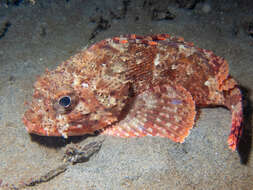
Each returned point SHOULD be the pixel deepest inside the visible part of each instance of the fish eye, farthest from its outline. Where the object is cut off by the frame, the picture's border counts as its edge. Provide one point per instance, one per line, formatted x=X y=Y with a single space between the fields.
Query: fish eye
x=65 y=101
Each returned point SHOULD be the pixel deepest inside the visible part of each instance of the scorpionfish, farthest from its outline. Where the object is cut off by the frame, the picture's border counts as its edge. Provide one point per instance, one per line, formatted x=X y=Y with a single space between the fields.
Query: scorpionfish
x=134 y=86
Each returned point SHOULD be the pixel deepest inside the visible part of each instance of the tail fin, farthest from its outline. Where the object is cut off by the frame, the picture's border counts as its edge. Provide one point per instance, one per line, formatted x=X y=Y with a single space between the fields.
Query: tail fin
x=233 y=101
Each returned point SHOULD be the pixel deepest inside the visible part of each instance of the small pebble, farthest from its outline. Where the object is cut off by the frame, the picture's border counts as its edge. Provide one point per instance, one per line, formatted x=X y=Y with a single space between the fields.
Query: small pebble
x=206 y=8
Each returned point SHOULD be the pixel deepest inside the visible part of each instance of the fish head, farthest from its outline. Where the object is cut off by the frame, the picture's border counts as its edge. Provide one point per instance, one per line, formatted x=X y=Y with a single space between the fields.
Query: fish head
x=67 y=103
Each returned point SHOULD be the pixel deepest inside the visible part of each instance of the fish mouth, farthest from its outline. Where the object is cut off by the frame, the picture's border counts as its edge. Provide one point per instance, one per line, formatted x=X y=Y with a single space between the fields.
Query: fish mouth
x=36 y=128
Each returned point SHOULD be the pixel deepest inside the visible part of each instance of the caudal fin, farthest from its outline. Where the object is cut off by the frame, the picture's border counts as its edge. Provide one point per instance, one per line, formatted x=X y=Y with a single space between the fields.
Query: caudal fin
x=233 y=100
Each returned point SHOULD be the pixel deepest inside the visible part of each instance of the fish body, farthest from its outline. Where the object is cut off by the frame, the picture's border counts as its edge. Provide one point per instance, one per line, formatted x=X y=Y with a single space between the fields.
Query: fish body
x=134 y=86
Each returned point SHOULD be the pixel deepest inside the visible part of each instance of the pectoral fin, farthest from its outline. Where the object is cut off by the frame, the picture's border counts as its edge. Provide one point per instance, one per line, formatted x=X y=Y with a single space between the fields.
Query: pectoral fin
x=164 y=110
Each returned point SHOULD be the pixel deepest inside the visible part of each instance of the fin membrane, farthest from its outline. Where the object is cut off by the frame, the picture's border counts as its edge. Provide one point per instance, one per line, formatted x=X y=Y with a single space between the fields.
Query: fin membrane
x=164 y=110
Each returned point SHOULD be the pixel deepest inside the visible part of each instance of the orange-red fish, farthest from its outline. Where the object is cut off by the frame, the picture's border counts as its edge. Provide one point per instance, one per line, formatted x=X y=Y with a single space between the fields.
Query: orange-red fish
x=134 y=86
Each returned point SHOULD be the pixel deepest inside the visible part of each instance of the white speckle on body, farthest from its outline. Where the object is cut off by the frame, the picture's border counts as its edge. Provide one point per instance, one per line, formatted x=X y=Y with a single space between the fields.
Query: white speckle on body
x=85 y=85
x=76 y=80
x=173 y=67
x=158 y=119
x=139 y=61
x=207 y=83
x=181 y=48
x=168 y=124
x=156 y=60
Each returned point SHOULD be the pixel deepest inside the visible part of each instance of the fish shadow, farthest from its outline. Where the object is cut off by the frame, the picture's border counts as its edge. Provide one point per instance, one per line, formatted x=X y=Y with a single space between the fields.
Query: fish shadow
x=57 y=142
x=245 y=143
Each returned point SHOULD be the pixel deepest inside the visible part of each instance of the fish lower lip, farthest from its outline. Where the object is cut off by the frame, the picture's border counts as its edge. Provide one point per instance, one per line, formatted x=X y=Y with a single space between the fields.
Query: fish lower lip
x=35 y=128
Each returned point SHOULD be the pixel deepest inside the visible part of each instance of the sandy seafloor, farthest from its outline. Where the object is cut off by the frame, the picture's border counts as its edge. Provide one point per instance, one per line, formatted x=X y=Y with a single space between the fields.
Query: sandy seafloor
x=40 y=36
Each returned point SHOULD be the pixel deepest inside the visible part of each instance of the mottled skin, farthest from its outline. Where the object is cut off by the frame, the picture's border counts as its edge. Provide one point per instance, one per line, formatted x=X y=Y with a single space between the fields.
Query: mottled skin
x=134 y=86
